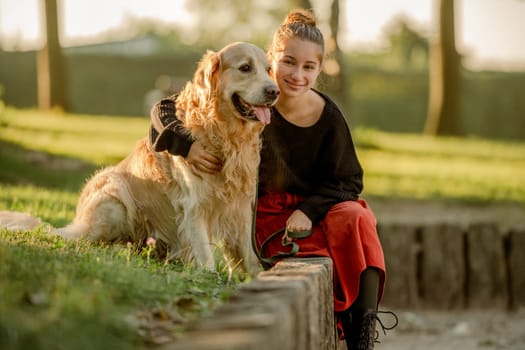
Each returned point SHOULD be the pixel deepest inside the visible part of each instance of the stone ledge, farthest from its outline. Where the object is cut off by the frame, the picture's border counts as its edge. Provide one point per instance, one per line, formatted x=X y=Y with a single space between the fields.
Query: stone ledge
x=287 y=307
x=482 y=264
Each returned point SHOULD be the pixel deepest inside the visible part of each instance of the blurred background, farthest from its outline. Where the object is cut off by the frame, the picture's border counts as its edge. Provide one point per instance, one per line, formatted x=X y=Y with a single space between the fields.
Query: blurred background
x=439 y=67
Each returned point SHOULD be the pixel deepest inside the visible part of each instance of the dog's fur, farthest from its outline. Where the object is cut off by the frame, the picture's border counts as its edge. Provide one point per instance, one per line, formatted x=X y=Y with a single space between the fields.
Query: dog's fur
x=156 y=194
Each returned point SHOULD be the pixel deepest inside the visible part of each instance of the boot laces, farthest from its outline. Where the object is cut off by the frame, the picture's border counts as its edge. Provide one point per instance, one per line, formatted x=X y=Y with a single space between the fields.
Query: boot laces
x=383 y=327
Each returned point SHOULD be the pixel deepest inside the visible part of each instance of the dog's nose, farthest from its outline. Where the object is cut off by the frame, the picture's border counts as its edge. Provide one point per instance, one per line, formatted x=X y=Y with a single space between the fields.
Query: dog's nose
x=272 y=91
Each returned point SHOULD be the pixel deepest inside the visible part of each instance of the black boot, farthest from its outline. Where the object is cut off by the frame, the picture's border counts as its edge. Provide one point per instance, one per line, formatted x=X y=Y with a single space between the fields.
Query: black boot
x=359 y=328
x=360 y=332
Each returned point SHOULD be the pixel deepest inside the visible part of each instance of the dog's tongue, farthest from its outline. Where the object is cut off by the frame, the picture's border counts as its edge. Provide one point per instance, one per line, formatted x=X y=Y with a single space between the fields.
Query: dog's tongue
x=263 y=114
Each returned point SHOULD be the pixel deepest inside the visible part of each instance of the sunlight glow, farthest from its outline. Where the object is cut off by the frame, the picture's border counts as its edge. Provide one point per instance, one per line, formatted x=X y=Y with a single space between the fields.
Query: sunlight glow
x=366 y=19
x=489 y=32
x=492 y=33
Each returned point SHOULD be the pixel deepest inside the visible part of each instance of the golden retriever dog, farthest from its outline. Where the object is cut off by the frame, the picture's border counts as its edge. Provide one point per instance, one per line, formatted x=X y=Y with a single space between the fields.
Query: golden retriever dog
x=159 y=195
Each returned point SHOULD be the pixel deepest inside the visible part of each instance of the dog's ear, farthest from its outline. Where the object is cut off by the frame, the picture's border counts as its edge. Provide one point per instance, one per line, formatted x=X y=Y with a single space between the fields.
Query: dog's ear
x=205 y=77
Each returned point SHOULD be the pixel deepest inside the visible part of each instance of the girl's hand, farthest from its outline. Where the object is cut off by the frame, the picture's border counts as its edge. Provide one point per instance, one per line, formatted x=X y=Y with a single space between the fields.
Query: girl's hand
x=202 y=160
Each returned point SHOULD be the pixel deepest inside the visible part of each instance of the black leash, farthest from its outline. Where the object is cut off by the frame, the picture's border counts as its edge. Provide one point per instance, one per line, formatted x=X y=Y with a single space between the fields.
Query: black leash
x=286 y=240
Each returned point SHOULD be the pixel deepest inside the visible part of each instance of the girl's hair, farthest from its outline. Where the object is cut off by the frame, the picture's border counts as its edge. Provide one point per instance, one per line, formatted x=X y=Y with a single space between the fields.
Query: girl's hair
x=299 y=23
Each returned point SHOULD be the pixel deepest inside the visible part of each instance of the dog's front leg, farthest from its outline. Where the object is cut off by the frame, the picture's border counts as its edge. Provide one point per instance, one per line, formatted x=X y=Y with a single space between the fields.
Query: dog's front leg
x=250 y=261
x=200 y=244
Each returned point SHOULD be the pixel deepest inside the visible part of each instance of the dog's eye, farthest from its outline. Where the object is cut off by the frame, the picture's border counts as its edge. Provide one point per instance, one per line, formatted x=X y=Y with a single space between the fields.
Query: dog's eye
x=245 y=68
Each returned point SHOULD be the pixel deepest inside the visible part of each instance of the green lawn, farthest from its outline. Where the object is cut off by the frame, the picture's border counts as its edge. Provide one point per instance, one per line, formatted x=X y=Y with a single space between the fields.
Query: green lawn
x=78 y=295
x=64 y=295
x=424 y=167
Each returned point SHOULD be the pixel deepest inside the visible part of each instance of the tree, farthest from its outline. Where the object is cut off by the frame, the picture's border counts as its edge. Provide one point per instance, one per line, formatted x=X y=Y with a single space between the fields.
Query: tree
x=217 y=23
x=51 y=74
x=407 y=44
x=443 y=116
x=334 y=66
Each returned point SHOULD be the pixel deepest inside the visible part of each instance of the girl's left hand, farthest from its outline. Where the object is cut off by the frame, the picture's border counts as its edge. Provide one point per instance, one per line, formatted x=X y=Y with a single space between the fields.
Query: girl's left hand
x=298 y=221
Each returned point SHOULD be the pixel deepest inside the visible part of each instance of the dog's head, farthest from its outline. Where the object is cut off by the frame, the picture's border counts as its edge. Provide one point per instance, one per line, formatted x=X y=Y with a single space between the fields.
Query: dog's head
x=237 y=80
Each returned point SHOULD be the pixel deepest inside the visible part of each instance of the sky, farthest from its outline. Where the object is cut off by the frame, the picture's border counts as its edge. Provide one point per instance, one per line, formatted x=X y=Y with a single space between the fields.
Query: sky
x=489 y=32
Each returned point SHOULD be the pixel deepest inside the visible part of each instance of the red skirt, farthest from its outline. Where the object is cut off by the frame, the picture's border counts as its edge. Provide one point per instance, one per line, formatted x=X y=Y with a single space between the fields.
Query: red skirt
x=347 y=234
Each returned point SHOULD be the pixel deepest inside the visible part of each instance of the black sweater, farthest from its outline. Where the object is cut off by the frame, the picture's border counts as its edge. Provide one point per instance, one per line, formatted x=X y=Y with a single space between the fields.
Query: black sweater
x=317 y=162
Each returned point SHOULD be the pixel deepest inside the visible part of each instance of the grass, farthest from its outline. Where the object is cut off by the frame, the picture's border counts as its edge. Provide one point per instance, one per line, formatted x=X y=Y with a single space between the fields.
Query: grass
x=458 y=169
x=396 y=164
x=56 y=294
x=98 y=140
x=78 y=295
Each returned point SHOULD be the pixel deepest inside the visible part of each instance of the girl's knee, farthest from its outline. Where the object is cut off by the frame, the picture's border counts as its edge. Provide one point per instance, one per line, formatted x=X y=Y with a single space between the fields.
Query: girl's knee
x=355 y=209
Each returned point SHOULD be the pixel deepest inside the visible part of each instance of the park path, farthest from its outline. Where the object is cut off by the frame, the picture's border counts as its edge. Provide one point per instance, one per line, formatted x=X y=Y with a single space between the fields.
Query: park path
x=456 y=330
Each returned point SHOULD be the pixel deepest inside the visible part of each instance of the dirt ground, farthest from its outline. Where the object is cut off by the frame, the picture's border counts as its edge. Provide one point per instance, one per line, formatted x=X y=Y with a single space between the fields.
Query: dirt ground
x=451 y=330
x=463 y=329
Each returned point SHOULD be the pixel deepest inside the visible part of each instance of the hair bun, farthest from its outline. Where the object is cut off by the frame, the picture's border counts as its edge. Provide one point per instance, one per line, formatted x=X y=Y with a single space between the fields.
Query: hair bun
x=300 y=16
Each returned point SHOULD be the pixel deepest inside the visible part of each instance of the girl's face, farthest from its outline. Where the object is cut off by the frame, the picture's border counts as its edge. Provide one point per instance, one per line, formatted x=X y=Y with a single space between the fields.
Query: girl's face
x=297 y=67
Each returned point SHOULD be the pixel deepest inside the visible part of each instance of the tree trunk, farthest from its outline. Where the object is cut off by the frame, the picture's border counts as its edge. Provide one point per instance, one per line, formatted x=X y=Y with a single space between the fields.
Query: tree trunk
x=334 y=66
x=333 y=75
x=51 y=75
x=443 y=116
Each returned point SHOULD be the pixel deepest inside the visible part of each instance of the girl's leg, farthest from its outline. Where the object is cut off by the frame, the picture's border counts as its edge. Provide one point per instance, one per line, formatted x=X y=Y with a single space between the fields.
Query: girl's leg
x=359 y=321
